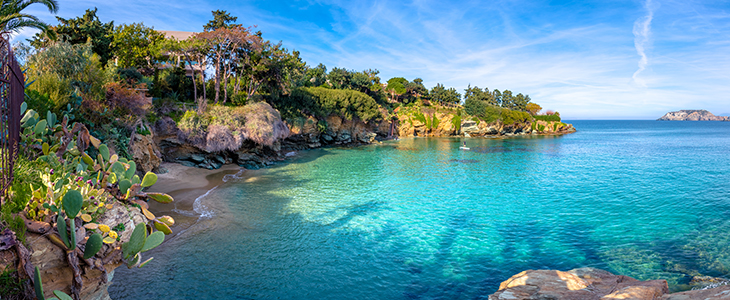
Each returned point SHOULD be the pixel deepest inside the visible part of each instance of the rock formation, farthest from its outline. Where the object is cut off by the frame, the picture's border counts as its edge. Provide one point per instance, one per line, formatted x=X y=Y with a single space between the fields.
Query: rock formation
x=692 y=115
x=593 y=284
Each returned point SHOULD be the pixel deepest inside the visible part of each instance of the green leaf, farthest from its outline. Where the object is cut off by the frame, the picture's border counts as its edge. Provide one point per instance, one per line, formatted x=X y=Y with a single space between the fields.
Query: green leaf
x=45 y=148
x=135 y=179
x=72 y=202
x=154 y=240
x=104 y=151
x=134 y=261
x=130 y=172
x=161 y=197
x=62 y=231
x=93 y=245
x=38 y=283
x=40 y=126
x=72 y=234
x=145 y=262
x=112 y=178
x=136 y=240
x=124 y=185
x=62 y=295
x=118 y=168
x=149 y=179
x=23 y=107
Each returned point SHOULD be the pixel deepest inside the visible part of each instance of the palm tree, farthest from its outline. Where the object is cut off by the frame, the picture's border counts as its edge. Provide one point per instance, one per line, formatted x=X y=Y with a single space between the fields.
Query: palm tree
x=12 y=20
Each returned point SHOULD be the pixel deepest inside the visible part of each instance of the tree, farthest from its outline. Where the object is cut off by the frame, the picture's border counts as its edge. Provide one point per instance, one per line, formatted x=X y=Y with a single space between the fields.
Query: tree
x=396 y=86
x=507 y=99
x=81 y=30
x=416 y=88
x=441 y=94
x=221 y=19
x=136 y=45
x=533 y=108
x=193 y=52
x=12 y=18
x=340 y=78
x=317 y=75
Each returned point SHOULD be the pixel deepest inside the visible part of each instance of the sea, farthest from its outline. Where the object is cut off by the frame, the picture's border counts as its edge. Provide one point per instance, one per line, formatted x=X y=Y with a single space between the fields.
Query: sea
x=420 y=218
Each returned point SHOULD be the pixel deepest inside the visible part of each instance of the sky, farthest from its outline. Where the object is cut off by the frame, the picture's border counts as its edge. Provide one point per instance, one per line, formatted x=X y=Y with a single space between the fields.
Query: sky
x=586 y=59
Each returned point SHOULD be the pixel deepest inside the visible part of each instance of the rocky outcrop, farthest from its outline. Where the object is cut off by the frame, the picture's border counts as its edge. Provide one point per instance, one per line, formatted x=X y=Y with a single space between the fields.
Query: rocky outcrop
x=409 y=126
x=52 y=262
x=593 y=284
x=692 y=115
x=145 y=152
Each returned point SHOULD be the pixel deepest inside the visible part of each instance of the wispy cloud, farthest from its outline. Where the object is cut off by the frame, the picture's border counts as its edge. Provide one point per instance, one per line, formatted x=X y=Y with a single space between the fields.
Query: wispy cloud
x=642 y=32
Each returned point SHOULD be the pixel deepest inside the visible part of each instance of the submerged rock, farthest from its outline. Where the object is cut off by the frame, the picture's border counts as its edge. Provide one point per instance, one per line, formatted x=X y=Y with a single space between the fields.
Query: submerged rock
x=593 y=284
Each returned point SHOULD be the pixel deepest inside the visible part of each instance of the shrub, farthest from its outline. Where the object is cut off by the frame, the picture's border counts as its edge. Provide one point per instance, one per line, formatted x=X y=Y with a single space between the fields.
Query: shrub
x=547 y=118
x=62 y=70
x=513 y=116
x=322 y=102
x=126 y=100
x=540 y=127
x=435 y=122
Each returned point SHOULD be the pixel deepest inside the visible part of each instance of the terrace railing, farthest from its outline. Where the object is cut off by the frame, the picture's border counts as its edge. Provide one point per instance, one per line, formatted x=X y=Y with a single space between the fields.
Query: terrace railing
x=12 y=91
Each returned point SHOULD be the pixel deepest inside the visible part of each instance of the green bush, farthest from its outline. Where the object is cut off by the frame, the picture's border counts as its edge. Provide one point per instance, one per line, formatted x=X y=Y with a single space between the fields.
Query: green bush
x=38 y=102
x=540 y=127
x=322 y=102
x=513 y=116
x=435 y=122
x=547 y=118
x=62 y=70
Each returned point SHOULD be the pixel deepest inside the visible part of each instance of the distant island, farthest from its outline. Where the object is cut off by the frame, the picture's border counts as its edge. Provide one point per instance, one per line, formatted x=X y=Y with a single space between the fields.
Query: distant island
x=692 y=115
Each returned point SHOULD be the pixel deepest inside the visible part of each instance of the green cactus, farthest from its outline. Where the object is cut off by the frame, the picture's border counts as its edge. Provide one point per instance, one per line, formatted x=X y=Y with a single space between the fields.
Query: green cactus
x=93 y=245
x=139 y=242
x=38 y=284
x=72 y=202
x=130 y=172
x=104 y=151
x=160 y=197
x=62 y=231
x=124 y=185
x=149 y=179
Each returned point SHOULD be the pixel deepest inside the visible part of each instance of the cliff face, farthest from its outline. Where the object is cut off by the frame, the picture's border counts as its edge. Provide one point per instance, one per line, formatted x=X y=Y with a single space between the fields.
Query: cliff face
x=692 y=115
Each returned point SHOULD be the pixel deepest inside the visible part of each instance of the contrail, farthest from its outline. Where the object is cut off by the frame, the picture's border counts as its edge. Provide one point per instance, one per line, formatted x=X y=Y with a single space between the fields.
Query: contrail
x=642 y=30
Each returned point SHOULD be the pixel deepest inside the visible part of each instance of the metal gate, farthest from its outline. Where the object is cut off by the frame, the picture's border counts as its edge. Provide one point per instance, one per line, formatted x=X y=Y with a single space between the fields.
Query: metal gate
x=12 y=91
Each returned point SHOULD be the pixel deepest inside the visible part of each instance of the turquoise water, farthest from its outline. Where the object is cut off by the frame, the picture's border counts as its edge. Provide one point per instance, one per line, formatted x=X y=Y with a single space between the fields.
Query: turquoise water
x=420 y=219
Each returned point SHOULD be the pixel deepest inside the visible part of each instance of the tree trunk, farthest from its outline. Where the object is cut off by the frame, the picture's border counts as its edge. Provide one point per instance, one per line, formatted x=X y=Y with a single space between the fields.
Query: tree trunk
x=217 y=78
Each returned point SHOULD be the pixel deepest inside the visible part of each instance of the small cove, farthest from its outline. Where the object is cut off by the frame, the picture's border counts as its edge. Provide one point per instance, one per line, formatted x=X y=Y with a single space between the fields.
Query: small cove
x=420 y=219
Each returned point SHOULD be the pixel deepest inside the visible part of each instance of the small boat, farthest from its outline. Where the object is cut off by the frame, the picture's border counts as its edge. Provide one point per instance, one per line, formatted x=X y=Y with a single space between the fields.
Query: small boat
x=464 y=148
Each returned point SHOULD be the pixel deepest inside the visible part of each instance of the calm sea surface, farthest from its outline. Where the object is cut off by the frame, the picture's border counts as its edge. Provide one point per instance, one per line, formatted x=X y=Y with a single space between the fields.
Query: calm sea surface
x=420 y=219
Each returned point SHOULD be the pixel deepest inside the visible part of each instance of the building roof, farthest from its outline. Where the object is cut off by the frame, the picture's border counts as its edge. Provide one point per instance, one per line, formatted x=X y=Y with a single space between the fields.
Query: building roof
x=180 y=35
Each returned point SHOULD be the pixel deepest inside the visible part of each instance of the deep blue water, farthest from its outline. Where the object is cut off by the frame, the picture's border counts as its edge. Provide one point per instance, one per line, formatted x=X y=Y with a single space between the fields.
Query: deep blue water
x=420 y=219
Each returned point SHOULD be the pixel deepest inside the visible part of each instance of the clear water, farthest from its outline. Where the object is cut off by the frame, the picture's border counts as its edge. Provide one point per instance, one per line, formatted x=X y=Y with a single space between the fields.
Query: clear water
x=420 y=219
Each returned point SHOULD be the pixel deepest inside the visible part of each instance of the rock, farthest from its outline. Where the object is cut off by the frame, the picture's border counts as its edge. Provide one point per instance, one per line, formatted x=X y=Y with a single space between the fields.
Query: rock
x=577 y=284
x=718 y=293
x=692 y=115
x=145 y=152
x=197 y=158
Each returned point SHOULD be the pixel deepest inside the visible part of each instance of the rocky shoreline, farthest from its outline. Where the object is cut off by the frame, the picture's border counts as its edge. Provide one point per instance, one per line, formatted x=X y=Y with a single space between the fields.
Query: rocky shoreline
x=166 y=143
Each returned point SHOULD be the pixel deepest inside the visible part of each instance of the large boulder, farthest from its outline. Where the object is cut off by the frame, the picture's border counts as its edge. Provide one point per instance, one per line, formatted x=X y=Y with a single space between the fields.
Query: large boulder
x=145 y=152
x=577 y=284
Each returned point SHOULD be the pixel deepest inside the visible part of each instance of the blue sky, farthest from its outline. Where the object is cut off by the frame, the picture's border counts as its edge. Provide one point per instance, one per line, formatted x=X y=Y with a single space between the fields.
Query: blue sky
x=586 y=59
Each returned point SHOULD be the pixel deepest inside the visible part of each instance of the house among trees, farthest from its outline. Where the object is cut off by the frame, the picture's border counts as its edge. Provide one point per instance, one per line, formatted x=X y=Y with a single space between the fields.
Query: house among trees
x=180 y=36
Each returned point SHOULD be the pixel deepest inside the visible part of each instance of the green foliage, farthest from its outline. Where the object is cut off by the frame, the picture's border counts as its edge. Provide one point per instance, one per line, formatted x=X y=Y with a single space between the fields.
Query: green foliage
x=11 y=220
x=136 y=45
x=491 y=114
x=63 y=71
x=221 y=19
x=322 y=102
x=11 y=286
x=93 y=245
x=39 y=102
x=513 y=116
x=456 y=121
x=547 y=118
x=540 y=127
x=13 y=19
x=440 y=94
x=81 y=30
x=38 y=285
x=435 y=122
x=140 y=242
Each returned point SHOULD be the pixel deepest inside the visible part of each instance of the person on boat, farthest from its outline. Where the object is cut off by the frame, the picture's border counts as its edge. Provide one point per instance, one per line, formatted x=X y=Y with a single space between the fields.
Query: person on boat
x=464 y=144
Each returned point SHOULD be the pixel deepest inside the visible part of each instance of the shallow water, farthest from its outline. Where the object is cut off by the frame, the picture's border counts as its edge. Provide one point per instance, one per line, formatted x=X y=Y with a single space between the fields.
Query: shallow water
x=421 y=219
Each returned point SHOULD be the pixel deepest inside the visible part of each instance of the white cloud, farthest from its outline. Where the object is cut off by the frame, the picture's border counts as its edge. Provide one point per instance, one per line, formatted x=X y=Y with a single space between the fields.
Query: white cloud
x=642 y=32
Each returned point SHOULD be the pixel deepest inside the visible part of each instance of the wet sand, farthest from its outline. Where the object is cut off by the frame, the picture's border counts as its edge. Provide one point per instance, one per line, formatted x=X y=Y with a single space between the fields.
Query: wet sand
x=185 y=184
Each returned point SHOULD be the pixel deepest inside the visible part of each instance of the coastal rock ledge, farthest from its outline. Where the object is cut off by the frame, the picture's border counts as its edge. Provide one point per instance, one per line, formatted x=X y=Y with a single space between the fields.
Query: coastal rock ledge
x=594 y=284
x=692 y=115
